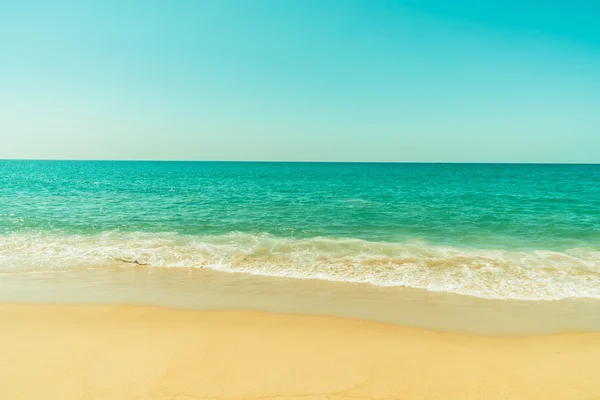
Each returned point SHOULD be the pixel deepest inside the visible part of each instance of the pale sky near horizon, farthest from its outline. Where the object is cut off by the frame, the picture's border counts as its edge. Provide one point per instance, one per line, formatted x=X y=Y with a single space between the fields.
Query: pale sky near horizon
x=331 y=80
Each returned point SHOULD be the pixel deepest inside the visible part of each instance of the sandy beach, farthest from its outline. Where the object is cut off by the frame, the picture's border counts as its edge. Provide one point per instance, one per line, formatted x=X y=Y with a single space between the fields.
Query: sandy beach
x=142 y=352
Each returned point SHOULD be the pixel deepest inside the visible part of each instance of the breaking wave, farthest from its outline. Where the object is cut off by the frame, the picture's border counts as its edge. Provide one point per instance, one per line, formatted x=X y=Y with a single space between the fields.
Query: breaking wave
x=498 y=274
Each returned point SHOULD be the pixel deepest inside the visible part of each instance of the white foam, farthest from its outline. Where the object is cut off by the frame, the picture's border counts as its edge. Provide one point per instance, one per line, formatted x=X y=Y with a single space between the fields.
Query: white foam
x=499 y=274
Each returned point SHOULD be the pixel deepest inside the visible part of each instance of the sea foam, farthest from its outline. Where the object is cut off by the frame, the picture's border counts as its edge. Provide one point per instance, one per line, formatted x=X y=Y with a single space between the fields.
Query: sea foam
x=496 y=274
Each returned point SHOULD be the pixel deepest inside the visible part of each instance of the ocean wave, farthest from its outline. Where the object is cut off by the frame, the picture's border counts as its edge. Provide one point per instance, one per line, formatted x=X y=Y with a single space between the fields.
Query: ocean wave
x=497 y=274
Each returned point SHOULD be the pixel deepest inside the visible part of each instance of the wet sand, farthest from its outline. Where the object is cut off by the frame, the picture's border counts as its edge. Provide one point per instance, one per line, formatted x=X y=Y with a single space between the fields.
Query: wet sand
x=140 y=352
x=203 y=289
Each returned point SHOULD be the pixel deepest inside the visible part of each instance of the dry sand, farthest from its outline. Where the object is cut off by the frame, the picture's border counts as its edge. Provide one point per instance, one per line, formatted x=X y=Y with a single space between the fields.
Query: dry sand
x=139 y=352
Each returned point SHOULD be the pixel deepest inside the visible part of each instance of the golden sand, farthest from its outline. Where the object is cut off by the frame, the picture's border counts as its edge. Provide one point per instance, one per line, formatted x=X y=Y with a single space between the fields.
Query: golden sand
x=138 y=352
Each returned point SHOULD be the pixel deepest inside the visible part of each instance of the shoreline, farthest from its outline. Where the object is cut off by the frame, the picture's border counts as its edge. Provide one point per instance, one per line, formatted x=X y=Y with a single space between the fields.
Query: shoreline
x=123 y=351
x=205 y=289
x=507 y=272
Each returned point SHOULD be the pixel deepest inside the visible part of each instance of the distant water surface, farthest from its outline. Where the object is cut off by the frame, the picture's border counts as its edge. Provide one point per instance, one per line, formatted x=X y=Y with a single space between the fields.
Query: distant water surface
x=528 y=232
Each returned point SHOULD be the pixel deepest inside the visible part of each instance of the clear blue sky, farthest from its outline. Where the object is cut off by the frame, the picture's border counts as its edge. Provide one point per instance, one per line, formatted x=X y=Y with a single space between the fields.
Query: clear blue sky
x=341 y=80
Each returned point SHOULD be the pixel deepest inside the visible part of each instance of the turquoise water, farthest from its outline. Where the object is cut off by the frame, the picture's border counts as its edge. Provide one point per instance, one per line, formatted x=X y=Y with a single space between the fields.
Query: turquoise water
x=497 y=231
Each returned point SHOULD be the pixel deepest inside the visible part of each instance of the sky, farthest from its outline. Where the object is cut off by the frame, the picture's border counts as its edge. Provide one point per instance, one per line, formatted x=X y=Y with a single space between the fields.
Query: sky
x=306 y=80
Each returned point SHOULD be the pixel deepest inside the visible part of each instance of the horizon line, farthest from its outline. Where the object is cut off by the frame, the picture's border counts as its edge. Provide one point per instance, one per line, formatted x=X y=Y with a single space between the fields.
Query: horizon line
x=305 y=161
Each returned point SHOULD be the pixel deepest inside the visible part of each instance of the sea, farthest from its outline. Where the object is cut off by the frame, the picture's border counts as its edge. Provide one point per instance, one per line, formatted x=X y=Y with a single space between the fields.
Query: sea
x=494 y=231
